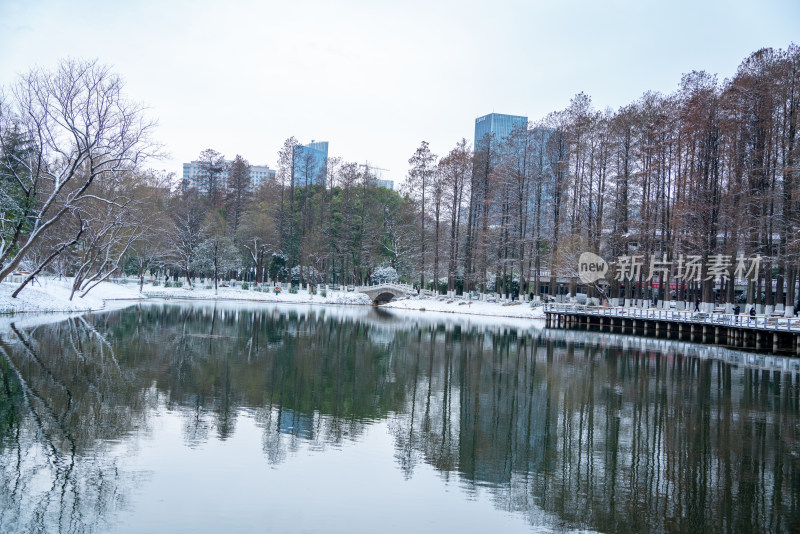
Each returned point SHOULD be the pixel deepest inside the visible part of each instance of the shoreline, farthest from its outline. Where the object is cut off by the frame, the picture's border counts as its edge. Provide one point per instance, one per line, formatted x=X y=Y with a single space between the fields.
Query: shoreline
x=461 y=307
x=51 y=296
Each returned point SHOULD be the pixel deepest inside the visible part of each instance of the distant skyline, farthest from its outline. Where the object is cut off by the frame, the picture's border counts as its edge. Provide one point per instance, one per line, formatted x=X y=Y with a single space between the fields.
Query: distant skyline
x=376 y=79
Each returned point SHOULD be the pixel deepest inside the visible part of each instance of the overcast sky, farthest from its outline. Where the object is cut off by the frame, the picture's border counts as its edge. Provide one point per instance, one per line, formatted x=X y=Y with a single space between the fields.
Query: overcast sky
x=375 y=78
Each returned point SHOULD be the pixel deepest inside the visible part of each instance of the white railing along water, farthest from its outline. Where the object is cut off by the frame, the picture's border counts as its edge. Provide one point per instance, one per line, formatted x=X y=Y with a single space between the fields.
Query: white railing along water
x=761 y=322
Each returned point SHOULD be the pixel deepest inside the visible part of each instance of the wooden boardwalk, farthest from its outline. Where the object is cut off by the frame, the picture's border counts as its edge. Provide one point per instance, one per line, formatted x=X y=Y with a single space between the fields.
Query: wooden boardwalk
x=762 y=332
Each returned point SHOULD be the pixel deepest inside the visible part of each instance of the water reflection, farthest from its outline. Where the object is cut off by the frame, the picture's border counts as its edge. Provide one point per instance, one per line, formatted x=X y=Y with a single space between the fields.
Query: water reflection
x=64 y=398
x=579 y=430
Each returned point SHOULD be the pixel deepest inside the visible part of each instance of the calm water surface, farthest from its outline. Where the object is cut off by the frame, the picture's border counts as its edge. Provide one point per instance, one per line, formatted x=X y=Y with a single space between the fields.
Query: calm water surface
x=202 y=418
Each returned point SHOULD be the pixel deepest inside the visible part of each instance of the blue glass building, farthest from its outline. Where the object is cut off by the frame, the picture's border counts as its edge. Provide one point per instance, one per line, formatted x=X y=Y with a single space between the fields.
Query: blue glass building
x=310 y=164
x=498 y=124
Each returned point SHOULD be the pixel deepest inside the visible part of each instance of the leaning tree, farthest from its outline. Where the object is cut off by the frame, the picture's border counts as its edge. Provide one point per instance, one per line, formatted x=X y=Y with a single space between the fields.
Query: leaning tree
x=62 y=131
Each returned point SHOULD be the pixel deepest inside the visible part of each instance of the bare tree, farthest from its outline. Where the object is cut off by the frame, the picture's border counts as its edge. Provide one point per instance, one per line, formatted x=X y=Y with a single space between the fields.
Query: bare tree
x=150 y=248
x=420 y=176
x=131 y=220
x=186 y=231
x=285 y=178
x=79 y=128
x=258 y=234
x=455 y=170
x=107 y=235
x=216 y=255
x=212 y=166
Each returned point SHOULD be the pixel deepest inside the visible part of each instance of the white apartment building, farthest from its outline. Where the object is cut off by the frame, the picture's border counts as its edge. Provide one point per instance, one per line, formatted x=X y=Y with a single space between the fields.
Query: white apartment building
x=193 y=176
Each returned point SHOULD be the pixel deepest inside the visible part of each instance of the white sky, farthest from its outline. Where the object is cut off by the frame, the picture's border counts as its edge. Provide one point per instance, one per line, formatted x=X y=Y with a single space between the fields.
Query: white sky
x=374 y=78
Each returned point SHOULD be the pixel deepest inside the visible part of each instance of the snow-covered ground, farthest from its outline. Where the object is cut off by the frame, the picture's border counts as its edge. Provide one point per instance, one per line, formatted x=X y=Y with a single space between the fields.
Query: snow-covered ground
x=462 y=306
x=50 y=295
x=237 y=293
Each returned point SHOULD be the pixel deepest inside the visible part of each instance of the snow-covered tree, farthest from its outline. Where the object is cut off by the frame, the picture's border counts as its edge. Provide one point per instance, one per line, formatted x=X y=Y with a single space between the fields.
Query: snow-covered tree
x=186 y=232
x=78 y=128
x=420 y=177
x=217 y=254
x=384 y=274
x=309 y=273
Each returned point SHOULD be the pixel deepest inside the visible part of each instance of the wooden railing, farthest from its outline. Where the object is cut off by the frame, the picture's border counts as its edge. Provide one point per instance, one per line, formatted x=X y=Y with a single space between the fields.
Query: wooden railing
x=762 y=322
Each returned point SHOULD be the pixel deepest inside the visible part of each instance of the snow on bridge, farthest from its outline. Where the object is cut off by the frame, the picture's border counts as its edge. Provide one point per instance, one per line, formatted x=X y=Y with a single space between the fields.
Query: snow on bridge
x=381 y=293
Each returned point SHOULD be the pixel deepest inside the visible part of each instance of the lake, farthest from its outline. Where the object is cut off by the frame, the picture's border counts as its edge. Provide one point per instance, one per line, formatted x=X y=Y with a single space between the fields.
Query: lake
x=171 y=417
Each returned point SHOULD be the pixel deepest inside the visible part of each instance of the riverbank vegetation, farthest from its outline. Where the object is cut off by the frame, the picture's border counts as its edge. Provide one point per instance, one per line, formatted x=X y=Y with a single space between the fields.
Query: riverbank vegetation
x=709 y=171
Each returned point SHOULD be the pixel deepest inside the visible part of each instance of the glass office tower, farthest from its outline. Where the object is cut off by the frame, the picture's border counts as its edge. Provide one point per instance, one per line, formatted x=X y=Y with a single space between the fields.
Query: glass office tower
x=498 y=124
x=310 y=163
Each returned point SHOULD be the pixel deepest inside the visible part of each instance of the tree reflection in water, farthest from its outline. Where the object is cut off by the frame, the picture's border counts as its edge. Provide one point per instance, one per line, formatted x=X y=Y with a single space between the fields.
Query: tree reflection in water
x=64 y=403
x=584 y=433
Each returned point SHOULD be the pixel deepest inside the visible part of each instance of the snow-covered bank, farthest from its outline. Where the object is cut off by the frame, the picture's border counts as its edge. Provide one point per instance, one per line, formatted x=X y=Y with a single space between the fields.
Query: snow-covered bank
x=475 y=307
x=237 y=293
x=49 y=295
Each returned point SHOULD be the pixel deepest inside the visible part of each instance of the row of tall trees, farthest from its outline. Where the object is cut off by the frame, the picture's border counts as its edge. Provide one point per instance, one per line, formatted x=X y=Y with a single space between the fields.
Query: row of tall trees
x=76 y=198
x=335 y=230
x=709 y=170
x=706 y=176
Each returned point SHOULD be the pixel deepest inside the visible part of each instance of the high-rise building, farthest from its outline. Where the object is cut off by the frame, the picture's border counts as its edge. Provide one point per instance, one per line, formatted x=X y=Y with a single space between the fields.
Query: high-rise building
x=260 y=174
x=310 y=163
x=194 y=177
x=377 y=175
x=497 y=124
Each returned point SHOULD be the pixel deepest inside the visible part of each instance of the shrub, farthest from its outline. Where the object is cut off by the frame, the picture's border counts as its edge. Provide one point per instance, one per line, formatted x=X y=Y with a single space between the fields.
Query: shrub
x=178 y=284
x=207 y=286
x=167 y=283
x=155 y=282
x=323 y=293
x=245 y=286
x=442 y=287
x=293 y=290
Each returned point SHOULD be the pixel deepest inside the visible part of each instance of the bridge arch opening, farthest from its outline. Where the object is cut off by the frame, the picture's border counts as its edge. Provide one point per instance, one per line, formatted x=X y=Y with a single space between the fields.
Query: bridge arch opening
x=383 y=298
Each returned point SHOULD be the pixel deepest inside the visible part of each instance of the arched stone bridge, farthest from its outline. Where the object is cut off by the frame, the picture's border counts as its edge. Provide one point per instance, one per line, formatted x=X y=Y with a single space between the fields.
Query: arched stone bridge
x=383 y=293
